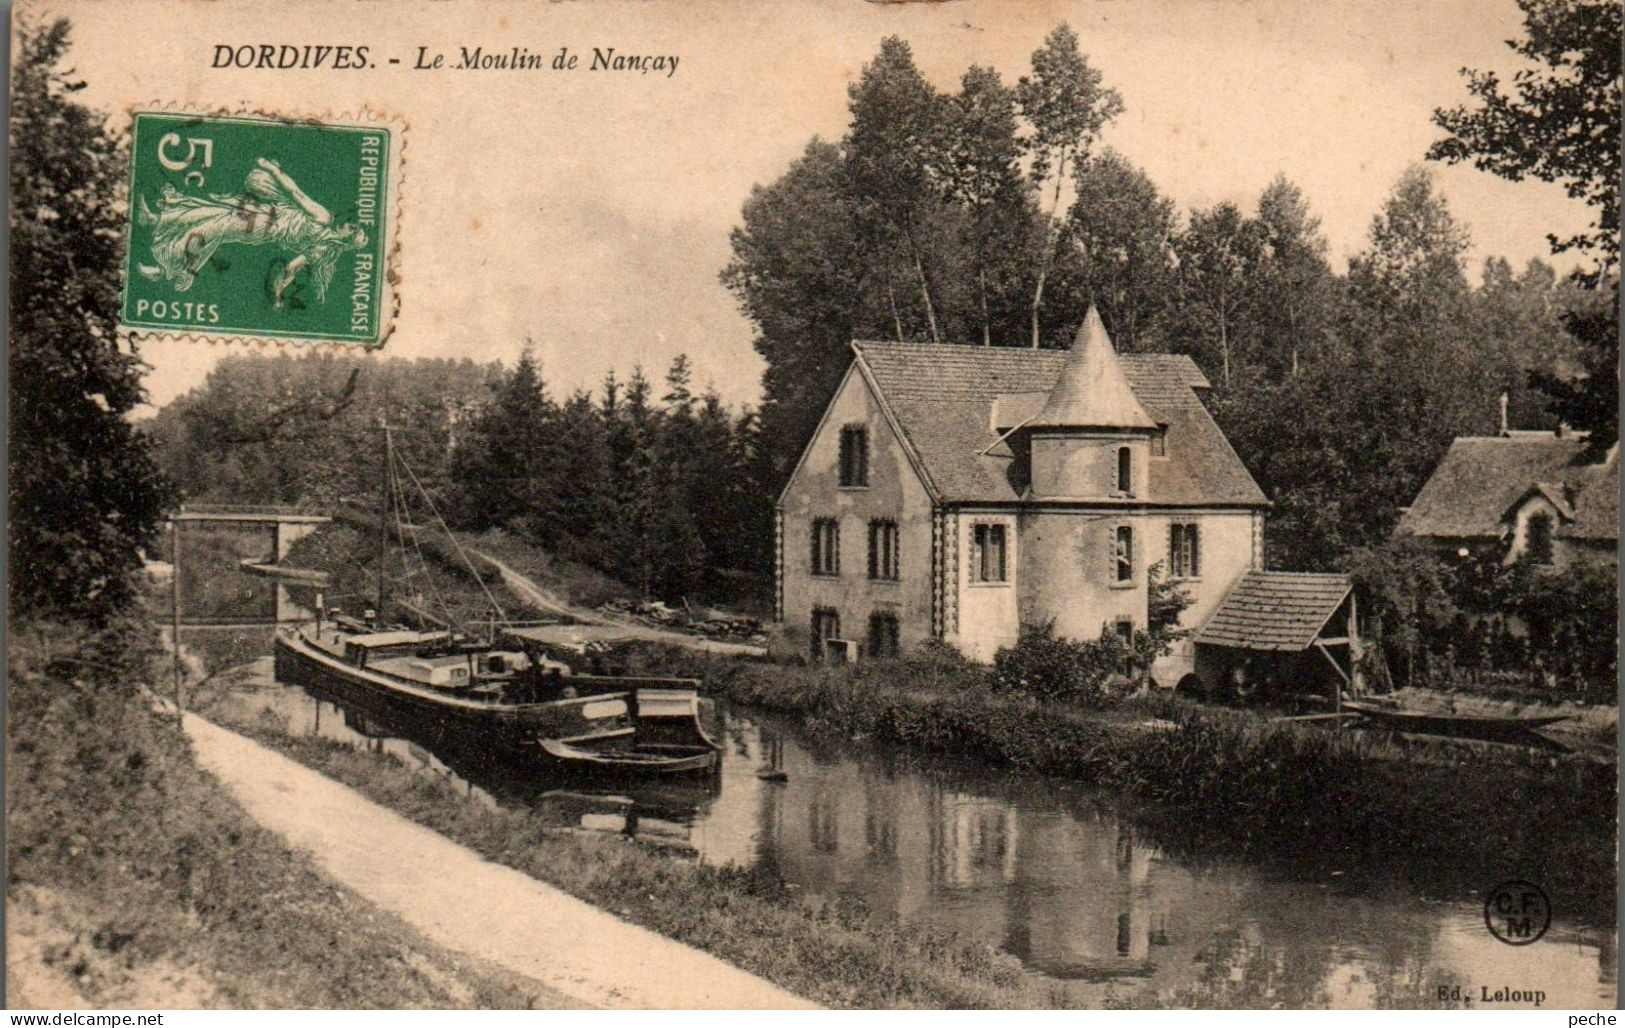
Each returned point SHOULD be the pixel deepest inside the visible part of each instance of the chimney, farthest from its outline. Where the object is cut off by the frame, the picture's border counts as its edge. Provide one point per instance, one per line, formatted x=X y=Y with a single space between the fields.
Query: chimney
x=1504 y=426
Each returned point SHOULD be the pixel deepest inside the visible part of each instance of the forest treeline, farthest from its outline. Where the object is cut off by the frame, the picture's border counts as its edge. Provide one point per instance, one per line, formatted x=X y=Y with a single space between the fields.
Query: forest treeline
x=656 y=485
x=994 y=214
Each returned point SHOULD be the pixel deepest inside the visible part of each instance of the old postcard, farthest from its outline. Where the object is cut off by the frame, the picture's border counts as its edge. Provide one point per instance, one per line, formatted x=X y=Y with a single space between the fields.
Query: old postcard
x=833 y=504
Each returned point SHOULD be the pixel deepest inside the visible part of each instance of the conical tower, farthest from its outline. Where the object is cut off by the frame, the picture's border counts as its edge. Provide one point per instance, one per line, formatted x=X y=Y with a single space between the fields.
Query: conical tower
x=1092 y=438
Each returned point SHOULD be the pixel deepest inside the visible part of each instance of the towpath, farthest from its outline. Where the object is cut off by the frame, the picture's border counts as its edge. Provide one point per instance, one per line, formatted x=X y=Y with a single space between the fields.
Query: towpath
x=528 y=590
x=466 y=903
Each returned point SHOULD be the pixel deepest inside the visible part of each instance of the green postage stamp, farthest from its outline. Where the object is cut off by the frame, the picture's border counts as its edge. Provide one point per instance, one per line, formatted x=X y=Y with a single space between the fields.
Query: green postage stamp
x=248 y=226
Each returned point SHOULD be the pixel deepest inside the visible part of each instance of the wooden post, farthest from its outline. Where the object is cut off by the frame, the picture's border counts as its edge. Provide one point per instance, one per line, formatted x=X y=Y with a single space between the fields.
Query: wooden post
x=175 y=612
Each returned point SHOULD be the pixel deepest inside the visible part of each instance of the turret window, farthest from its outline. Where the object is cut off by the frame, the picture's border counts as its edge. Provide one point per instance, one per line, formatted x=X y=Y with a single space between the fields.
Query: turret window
x=1125 y=470
x=1122 y=568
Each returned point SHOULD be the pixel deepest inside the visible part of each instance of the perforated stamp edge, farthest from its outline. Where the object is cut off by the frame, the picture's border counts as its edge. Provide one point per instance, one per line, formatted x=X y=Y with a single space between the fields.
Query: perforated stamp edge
x=389 y=303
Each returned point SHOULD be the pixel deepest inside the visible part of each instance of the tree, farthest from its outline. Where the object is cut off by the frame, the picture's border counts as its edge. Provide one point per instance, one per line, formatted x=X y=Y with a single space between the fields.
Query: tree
x=1116 y=248
x=1295 y=282
x=1067 y=107
x=798 y=276
x=86 y=494
x=1219 y=257
x=984 y=175
x=1561 y=121
x=894 y=153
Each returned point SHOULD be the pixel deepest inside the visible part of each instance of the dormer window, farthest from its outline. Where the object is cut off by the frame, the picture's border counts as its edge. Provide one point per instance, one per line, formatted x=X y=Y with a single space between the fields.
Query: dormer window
x=1125 y=470
x=854 y=457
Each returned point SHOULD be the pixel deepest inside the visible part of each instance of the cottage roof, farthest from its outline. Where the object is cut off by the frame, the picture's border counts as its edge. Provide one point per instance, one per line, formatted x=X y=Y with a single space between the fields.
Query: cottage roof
x=1594 y=493
x=1275 y=610
x=942 y=399
x=1091 y=390
x=1480 y=477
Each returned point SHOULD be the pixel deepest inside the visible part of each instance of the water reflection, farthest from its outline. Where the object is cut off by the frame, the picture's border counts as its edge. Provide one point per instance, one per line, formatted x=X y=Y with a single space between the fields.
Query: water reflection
x=1056 y=875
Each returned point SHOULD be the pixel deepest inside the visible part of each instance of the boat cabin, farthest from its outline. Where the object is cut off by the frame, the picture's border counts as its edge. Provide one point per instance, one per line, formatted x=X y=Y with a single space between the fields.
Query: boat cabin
x=360 y=649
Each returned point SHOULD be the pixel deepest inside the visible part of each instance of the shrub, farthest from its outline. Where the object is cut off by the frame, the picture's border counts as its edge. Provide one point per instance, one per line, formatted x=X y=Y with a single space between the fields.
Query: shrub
x=1061 y=669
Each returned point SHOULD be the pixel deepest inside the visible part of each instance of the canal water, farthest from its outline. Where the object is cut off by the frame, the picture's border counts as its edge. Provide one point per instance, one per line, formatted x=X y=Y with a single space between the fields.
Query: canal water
x=1050 y=872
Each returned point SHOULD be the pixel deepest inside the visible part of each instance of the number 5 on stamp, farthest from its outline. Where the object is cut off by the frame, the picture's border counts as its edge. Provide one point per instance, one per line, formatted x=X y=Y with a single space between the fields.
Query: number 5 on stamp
x=254 y=227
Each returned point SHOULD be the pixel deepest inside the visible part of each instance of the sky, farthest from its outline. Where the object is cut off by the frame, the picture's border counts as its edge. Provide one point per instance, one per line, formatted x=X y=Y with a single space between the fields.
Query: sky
x=589 y=213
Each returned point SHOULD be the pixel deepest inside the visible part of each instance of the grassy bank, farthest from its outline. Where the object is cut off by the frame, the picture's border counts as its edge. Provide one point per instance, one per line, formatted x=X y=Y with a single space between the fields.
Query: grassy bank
x=838 y=954
x=134 y=881
x=1451 y=819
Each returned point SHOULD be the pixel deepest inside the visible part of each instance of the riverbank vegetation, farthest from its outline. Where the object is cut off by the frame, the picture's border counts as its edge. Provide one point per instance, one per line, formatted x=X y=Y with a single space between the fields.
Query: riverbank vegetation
x=134 y=881
x=1449 y=819
x=836 y=953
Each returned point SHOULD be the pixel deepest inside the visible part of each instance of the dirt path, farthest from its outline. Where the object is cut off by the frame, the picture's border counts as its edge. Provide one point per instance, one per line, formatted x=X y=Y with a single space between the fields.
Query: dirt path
x=527 y=590
x=461 y=901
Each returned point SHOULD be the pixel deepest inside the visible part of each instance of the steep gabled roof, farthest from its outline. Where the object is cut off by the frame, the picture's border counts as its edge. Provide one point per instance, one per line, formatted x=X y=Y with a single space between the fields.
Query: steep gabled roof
x=941 y=398
x=1091 y=391
x=1275 y=610
x=1480 y=477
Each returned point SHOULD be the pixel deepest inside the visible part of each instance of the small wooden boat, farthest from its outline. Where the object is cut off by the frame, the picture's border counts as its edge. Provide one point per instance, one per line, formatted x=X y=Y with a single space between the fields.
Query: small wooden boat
x=650 y=759
x=1461 y=726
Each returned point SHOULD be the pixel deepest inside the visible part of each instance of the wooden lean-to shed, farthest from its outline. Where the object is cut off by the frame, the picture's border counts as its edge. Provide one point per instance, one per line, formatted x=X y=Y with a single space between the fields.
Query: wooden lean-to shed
x=1282 y=632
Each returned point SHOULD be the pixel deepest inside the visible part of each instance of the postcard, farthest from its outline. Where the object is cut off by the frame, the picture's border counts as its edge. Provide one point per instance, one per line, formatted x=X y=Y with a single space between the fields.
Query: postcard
x=820 y=505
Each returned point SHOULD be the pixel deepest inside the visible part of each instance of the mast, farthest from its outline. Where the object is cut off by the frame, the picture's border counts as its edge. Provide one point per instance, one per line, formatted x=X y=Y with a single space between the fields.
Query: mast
x=383 y=523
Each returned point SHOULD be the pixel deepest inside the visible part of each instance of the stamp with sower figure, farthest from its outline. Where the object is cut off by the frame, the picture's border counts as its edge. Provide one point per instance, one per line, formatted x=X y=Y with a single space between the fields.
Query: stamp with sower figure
x=247 y=226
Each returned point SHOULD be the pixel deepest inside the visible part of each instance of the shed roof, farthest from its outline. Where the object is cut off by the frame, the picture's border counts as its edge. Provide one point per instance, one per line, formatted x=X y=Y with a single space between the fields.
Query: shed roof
x=943 y=396
x=1275 y=610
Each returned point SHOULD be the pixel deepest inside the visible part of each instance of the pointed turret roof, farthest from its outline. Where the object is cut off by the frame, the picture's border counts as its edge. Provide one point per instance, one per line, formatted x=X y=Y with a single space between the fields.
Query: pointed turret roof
x=1092 y=391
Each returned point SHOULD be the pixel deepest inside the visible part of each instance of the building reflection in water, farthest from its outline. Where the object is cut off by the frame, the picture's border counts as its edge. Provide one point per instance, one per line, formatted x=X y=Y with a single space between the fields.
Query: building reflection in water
x=1053 y=876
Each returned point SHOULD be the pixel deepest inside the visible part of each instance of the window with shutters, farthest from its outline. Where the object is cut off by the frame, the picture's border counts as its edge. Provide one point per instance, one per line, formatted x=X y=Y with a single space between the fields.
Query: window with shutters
x=1184 y=550
x=987 y=557
x=826 y=546
x=883 y=632
x=883 y=551
x=1122 y=566
x=854 y=457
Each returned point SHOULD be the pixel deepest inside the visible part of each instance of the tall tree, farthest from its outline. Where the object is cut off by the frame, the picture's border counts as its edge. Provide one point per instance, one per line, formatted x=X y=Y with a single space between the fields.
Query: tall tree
x=984 y=176
x=1561 y=121
x=1116 y=250
x=1295 y=281
x=1066 y=106
x=894 y=150
x=798 y=276
x=86 y=495
x=1219 y=257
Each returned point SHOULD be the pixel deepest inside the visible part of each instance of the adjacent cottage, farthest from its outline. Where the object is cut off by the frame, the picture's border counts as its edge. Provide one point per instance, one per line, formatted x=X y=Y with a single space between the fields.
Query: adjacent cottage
x=957 y=493
x=1527 y=493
